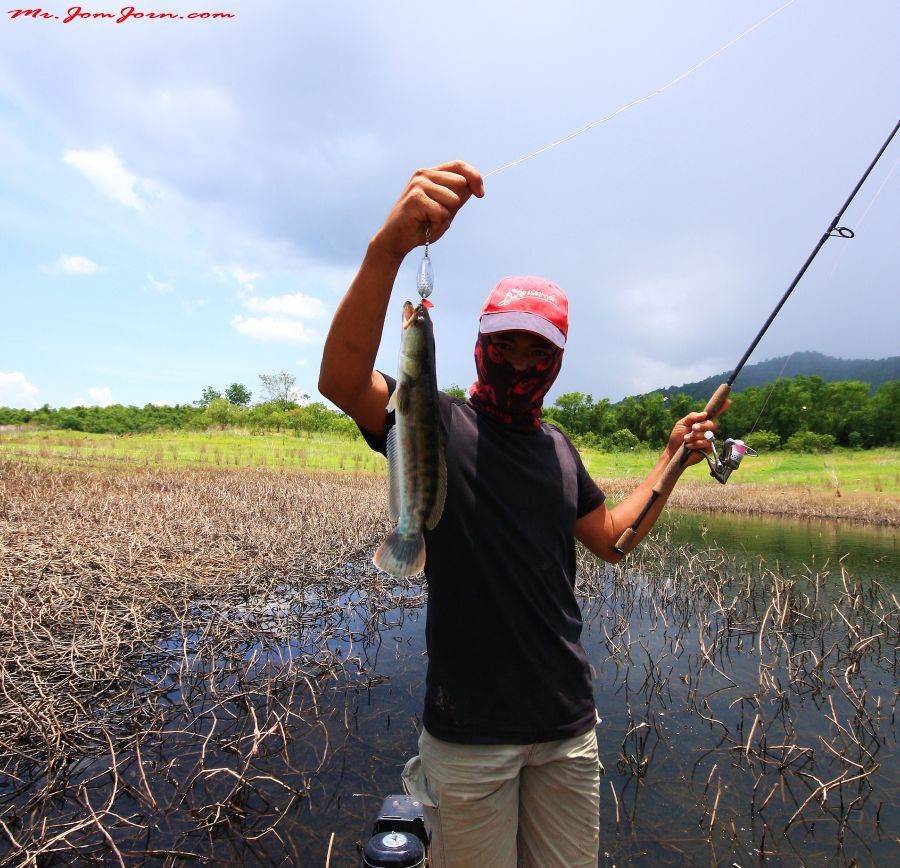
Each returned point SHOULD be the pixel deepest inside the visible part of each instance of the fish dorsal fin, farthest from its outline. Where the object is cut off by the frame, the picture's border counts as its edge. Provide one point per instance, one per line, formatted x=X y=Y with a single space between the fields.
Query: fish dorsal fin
x=393 y=457
x=441 y=495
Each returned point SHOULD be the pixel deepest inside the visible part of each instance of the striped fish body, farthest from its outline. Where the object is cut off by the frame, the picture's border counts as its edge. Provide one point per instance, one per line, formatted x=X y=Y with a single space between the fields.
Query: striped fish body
x=417 y=469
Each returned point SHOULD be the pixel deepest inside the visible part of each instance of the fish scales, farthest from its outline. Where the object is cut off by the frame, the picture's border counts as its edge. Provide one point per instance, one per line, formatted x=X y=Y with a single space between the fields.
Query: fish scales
x=417 y=470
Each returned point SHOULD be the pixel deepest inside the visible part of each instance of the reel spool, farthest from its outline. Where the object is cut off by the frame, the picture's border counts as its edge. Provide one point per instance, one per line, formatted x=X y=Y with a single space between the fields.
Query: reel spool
x=733 y=452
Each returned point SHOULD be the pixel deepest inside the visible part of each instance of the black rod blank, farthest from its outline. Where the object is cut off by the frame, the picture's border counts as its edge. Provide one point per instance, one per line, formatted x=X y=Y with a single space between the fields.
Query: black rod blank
x=828 y=232
x=666 y=481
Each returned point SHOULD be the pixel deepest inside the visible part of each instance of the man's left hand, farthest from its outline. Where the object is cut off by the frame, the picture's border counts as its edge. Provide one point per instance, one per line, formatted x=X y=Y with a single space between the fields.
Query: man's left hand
x=690 y=432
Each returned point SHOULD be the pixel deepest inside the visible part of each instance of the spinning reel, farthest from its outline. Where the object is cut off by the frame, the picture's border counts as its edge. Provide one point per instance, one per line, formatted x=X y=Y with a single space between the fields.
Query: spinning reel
x=733 y=452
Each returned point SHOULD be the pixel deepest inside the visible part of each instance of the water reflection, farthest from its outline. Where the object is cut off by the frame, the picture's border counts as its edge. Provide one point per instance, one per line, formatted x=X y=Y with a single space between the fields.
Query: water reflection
x=748 y=713
x=868 y=552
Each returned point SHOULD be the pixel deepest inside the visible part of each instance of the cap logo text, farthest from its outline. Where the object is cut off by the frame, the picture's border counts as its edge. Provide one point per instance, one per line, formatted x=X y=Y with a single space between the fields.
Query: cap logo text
x=514 y=294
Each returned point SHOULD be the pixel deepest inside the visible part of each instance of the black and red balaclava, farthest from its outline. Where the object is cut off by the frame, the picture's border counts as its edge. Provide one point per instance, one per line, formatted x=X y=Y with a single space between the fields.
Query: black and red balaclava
x=528 y=304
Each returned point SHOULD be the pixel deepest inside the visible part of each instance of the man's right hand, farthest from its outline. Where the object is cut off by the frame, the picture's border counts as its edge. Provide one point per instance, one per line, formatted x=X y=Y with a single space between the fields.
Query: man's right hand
x=430 y=201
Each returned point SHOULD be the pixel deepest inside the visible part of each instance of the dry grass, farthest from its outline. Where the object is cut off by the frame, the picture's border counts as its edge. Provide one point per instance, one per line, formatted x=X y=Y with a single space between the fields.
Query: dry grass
x=190 y=618
x=171 y=645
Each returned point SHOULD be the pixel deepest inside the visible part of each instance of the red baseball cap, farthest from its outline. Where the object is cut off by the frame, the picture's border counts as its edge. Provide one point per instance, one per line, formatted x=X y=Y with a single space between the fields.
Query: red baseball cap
x=528 y=304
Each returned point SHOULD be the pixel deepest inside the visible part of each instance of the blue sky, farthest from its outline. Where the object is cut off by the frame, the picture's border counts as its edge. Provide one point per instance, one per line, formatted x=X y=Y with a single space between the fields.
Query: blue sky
x=182 y=203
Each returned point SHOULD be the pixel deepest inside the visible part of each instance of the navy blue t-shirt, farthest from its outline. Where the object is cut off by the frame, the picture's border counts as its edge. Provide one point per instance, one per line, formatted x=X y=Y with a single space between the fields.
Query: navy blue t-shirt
x=505 y=663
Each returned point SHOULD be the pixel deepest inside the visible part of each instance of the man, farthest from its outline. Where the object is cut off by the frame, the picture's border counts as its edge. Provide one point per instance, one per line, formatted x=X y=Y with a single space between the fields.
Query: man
x=508 y=767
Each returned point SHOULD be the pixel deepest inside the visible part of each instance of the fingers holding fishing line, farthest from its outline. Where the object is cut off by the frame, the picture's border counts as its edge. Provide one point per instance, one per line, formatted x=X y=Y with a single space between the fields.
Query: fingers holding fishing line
x=431 y=200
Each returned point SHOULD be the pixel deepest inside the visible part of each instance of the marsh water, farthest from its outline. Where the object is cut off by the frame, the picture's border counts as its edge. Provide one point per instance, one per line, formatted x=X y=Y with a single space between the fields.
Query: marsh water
x=665 y=761
x=747 y=664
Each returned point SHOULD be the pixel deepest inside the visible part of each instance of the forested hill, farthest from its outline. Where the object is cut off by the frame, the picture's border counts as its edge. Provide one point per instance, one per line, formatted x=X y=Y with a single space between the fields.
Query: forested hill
x=807 y=364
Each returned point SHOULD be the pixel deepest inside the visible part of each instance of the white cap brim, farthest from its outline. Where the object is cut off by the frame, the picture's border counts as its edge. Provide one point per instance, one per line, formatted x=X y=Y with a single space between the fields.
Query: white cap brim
x=521 y=321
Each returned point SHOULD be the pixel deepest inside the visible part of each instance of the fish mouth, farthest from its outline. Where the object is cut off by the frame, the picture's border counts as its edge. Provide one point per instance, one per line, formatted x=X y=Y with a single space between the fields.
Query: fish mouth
x=410 y=312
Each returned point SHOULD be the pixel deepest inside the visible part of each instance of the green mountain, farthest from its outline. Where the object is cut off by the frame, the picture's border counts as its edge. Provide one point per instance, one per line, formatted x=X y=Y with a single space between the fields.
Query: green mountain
x=807 y=364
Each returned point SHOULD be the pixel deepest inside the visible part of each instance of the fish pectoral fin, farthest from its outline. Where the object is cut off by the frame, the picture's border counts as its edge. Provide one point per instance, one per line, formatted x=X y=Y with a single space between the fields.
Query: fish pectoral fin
x=393 y=457
x=401 y=398
x=441 y=495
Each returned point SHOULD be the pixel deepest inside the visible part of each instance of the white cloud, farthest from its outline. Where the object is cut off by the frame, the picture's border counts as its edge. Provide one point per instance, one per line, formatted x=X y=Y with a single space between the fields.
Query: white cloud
x=163 y=286
x=16 y=391
x=646 y=374
x=101 y=395
x=237 y=273
x=293 y=305
x=77 y=265
x=106 y=172
x=268 y=328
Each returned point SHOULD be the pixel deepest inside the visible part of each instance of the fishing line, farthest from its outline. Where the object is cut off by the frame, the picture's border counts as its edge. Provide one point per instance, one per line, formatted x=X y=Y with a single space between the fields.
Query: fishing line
x=884 y=184
x=768 y=396
x=840 y=256
x=716 y=404
x=647 y=97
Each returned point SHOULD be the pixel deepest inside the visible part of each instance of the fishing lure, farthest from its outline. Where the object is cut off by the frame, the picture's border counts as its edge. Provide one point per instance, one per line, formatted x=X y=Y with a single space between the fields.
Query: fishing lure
x=425 y=275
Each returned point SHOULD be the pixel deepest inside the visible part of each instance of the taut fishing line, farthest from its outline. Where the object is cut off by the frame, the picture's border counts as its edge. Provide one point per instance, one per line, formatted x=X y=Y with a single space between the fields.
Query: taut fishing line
x=837 y=262
x=736 y=449
x=647 y=97
x=859 y=222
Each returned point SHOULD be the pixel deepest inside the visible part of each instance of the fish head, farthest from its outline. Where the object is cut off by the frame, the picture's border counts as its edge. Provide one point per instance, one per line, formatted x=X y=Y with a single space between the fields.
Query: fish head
x=417 y=315
x=418 y=336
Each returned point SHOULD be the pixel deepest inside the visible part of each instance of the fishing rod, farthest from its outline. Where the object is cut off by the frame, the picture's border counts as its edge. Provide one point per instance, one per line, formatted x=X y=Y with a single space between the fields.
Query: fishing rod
x=734 y=450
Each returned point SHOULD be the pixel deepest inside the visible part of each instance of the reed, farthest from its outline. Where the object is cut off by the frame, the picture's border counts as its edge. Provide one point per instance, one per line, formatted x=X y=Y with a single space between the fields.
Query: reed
x=164 y=636
x=182 y=656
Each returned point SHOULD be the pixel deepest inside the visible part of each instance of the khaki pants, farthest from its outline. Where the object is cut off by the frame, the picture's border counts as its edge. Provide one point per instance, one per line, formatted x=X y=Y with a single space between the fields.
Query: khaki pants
x=501 y=806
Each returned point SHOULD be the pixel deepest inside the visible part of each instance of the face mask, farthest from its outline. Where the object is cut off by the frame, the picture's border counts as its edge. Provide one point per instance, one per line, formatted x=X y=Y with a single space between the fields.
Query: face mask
x=507 y=395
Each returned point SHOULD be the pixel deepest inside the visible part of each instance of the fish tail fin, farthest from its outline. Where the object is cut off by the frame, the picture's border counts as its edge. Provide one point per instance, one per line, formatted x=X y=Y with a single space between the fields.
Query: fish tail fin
x=401 y=554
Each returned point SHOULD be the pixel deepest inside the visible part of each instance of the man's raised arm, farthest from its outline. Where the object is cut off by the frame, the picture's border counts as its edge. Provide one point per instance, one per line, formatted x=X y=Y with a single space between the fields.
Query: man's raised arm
x=347 y=377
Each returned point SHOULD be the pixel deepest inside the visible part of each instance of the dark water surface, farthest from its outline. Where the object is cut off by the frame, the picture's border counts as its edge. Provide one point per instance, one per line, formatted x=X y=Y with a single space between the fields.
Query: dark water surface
x=716 y=735
x=667 y=763
x=867 y=552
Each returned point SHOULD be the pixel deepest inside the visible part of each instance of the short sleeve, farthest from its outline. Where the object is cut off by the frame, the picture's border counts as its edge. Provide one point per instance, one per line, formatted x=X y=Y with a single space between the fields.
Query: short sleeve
x=379 y=444
x=590 y=495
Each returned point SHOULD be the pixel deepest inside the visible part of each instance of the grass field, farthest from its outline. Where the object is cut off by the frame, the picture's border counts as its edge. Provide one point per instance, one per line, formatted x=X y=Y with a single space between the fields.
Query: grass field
x=876 y=470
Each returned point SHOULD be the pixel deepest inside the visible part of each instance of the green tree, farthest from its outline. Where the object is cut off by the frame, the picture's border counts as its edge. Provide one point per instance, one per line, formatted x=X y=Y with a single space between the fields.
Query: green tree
x=845 y=410
x=280 y=389
x=579 y=414
x=209 y=395
x=238 y=395
x=646 y=417
x=883 y=416
x=455 y=391
x=219 y=412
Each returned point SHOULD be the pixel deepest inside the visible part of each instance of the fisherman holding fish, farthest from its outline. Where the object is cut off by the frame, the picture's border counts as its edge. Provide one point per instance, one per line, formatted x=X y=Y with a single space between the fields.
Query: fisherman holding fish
x=508 y=767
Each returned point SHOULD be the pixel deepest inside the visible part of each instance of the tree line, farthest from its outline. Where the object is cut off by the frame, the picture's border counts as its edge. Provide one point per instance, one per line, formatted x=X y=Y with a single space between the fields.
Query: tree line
x=802 y=413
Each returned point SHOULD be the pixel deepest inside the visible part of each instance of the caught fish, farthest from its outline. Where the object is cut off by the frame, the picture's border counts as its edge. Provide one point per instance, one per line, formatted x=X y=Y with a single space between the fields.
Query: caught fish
x=417 y=467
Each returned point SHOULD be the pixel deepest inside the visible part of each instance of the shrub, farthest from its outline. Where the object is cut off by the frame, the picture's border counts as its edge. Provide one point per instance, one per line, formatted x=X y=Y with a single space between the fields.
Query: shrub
x=809 y=441
x=621 y=441
x=764 y=441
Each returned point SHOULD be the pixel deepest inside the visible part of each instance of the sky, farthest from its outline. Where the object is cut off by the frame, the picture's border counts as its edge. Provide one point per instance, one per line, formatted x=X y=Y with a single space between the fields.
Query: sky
x=184 y=201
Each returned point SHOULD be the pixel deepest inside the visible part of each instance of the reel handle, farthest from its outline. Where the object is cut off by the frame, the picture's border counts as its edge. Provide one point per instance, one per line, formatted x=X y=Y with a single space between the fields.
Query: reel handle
x=666 y=482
